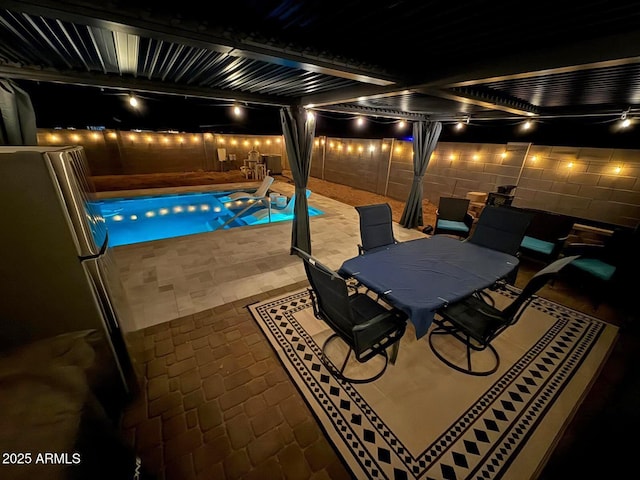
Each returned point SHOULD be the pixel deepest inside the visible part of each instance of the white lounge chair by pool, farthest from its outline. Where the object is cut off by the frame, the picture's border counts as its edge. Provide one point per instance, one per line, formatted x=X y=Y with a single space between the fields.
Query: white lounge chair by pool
x=261 y=192
x=262 y=215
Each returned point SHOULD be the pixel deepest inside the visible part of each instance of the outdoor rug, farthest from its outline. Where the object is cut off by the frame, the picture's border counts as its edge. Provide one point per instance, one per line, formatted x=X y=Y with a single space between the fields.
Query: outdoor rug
x=422 y=419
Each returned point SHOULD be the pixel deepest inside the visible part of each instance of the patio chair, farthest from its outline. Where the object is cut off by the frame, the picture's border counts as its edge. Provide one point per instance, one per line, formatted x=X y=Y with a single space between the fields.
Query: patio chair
x=367 y=327
x=453 y=217
x=545 y=236
x=259 y=194
x=607 y=271
x=501 y=229
x=476 y=324
x=376 y=230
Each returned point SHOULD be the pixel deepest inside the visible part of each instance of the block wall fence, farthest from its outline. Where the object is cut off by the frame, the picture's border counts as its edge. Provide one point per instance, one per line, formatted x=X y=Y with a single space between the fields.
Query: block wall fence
x=597 y=184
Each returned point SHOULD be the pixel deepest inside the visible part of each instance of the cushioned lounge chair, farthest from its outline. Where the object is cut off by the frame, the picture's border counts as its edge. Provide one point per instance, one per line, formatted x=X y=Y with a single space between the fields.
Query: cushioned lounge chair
x=453 y=217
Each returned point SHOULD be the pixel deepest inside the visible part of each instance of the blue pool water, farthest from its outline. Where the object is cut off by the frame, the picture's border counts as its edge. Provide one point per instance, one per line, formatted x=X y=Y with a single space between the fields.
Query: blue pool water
x=141 y=219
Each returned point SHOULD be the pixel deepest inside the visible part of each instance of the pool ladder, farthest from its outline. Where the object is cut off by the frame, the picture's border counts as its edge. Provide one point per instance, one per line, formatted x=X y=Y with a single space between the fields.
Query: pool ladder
x=262 y=199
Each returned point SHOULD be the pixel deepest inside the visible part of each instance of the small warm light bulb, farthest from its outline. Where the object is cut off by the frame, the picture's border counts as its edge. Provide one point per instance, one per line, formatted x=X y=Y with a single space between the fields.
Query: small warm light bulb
x=165 y=139
x=475 y=158
x=340 y=146
x=204 y=207
x=163 y=211
x=625 y=123
x=54 y=138
x=398 y=149
x=234 y=141
x=570 y=165
x=191 y=208
x=331 y=144
x=150 y=214
x=228 y=204
x=95 y=136
x=237 y=111
x=534 y=159
x=132 y=137
x=195 y=139
x=317 y=143
x=149 y=139
x=246 y=143
x=113 y=135
x=133 y=217
x=459 y=125
x=278 y=140
x=503 y=154
x=178 y=209
x=617 y=169
x=349 y=148
x=526 y=125
x=118 y=218
x=133 y=101
x=181 y=139
x=217 y=209
x=75 y=138
x=268 y=142
x=360 y=121
x=452 y=157
x=384 y=147
x=402 y=124
x=372 y=148
x=360 y=148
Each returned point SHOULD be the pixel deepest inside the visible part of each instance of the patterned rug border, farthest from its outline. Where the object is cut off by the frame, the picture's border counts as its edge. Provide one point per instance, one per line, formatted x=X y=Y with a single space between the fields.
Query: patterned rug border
x=474 y=446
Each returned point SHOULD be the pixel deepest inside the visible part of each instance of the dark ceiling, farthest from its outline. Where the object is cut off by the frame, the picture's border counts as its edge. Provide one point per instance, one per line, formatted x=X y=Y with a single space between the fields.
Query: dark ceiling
x=572 y=68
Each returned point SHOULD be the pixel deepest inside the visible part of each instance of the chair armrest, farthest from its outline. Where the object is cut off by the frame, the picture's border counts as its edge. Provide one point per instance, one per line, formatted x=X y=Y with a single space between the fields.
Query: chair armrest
x=468 y=220
x=584 y=249
x=377 y=319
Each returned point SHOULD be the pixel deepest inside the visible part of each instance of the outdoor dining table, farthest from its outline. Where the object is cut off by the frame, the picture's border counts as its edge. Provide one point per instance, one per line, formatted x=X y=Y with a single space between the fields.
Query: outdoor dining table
x=420 y=276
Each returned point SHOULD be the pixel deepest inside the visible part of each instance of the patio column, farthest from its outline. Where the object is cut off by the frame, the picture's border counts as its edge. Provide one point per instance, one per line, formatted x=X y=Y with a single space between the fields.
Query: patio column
x=17 y=118
x=425 y=139
x=298 y=129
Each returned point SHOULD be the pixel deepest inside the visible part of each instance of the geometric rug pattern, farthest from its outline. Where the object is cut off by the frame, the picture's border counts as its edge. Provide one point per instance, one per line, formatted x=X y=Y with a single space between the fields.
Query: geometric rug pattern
x=490 y=437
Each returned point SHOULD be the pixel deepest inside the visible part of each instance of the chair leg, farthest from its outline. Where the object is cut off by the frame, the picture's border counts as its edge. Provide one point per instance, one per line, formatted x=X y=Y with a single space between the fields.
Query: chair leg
x=469 y=350
x=339 y=373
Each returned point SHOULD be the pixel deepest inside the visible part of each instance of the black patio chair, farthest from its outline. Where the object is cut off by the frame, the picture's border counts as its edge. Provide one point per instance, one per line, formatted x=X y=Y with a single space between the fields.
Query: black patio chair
x=501 y=228
x=545 y=236
x=366 y=326
x=453 y=217
x=608 y=270
x=376 y=229
x=475 y=324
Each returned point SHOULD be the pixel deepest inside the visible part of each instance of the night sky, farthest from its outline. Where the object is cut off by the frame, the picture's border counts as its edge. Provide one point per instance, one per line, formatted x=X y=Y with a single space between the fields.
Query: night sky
x=58 y=105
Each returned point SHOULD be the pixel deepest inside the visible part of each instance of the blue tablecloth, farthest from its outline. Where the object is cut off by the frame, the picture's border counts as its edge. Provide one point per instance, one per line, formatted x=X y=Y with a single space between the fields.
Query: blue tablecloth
x=420 y=276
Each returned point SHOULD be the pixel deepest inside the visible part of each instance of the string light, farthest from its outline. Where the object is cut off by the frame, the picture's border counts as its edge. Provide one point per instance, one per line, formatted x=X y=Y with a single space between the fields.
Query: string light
x=133 y=101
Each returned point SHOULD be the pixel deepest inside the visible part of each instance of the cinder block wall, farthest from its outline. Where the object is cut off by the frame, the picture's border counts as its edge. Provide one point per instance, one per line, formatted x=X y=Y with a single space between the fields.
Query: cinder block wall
x=591 y=183
x=114 y=152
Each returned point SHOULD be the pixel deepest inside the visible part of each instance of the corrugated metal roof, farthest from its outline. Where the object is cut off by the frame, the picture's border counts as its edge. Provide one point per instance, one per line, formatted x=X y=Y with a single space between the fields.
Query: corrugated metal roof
x=412 y=58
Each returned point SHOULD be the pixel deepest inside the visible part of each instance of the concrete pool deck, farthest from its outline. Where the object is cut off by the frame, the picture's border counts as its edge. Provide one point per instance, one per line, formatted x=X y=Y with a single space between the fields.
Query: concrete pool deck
x=170 y=278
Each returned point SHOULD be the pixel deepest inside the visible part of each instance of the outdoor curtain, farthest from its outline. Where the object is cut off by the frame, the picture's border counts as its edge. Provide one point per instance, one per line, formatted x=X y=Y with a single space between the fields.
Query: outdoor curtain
x=425 y=138
x=298 y=130
x=18 y=120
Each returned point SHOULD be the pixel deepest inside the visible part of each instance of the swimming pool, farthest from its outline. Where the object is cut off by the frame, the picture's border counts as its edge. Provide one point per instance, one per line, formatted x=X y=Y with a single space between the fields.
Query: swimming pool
x=141 y=219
